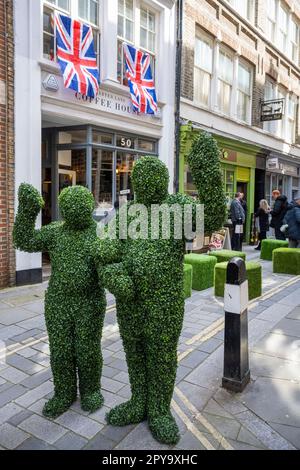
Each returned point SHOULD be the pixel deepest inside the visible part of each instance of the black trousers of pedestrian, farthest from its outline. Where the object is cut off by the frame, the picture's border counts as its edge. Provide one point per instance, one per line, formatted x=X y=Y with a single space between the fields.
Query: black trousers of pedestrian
x=262 y=236
x=279 y=235
x=236 y=240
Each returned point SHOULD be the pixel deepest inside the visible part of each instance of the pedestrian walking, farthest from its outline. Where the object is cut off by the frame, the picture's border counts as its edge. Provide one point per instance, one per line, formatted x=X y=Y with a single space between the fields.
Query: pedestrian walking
x=262 y=215
x=292 y=220
x=278 y=212
x=237 y=215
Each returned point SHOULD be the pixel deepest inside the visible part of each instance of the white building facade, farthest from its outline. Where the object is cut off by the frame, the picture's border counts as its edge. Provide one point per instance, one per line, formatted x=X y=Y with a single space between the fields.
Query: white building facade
x=63 y=138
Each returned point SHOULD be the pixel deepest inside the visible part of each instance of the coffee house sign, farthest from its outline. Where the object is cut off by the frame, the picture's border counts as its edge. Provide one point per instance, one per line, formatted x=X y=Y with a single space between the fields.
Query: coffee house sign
x=105 y=100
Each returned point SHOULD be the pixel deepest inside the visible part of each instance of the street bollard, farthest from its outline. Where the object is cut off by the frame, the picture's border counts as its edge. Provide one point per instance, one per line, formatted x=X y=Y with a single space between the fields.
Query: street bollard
x=236 y=349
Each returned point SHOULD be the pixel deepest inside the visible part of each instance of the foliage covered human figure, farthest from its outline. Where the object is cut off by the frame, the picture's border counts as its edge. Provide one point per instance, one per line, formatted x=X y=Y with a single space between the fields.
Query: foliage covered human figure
x=75 y=299
x=151 y=322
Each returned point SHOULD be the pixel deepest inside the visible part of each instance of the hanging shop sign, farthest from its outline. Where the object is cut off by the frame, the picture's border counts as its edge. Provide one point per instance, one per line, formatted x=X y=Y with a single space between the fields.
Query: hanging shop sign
x=273 y=164
x=272 y=110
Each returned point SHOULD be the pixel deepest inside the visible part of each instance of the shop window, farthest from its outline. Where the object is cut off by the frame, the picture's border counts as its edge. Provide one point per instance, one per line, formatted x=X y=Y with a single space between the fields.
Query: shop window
x=244 y=92
x=203 y=70
x=88 y=11
x=126 y=27
x=125 y=163
x=225 y=82
x=102 y=180
x=102 y=138
x=77 y=136
x=146 y=145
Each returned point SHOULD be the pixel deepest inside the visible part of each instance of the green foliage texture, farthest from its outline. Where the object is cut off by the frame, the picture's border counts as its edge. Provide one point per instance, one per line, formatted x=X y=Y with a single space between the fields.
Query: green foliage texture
x=150 y=322
x=286 y=261
x=203 y=270
x=227 y=255
x=268 y=246
x=75 y=299
x=205 y=165
x=188 y=280
x=254 y=276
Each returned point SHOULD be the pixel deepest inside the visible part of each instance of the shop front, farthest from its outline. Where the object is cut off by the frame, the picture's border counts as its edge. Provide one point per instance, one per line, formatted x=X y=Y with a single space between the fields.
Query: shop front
x=239 y=163
x=97 y=158
x=282 y=175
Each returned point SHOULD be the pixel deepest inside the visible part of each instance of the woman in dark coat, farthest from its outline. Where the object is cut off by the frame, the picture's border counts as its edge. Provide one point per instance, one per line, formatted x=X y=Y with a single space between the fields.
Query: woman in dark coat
x=263 y=216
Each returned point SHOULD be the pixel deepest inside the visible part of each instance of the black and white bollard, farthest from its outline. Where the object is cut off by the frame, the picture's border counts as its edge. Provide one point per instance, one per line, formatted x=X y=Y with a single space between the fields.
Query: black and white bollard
x=236 y=348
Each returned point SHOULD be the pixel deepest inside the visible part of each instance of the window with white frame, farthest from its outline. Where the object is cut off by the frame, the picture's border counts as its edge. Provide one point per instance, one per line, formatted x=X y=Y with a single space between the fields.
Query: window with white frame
x=244 y=92
x=270 y=94
x=271 y=19
x=245 y=8
x=203 y=70
x=225 y=81
x=85 y=10
x=291 y=110
x=281 y=95
x=294 y=41
x=283 y=29
x=134 y=16
x=125 y=34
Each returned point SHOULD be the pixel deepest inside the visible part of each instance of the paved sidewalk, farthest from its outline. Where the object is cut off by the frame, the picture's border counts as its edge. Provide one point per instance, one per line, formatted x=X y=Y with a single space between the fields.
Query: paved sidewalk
x=265 y=416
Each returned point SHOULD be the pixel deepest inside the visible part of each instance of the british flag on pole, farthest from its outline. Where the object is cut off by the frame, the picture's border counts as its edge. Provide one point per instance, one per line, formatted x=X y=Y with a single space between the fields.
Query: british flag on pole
x=140 y=79
x=76 y=55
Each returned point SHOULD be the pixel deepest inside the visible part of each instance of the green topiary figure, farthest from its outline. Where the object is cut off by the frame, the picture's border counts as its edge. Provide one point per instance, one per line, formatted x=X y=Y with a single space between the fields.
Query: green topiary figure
x=204 y=163
x=150 y=323
x=75 y=300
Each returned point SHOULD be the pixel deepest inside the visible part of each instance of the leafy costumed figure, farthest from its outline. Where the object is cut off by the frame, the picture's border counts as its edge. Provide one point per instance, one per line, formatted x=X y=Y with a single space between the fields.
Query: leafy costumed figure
x=150 y=319
x=75 y=299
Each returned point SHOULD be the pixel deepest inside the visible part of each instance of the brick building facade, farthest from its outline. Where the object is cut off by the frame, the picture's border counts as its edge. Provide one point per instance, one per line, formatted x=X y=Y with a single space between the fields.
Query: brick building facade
x=236 y=55
x=7 y=254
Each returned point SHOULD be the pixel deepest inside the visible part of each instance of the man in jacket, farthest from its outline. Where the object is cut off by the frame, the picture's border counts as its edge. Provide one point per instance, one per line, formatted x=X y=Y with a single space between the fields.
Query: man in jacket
x=292 y=219
x=278 y=213
x=237 y=215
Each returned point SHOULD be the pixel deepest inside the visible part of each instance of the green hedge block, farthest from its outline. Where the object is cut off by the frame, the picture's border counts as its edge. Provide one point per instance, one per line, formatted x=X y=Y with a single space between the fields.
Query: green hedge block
x=188 y=280
x=254 y=276
x=268 y=246
x=227 y=255
x=203 y=270
x=286 y=261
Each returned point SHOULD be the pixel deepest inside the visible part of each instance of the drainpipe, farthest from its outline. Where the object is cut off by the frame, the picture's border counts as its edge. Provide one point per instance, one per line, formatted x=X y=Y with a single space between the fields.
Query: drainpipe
x=179 y=16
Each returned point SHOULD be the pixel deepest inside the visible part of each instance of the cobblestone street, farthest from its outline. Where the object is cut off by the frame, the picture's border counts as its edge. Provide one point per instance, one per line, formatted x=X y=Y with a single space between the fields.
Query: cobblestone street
x=208 y=416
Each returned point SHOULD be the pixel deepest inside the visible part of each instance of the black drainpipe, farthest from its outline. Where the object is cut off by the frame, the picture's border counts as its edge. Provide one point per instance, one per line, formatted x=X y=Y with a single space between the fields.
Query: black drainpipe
x=179 y=16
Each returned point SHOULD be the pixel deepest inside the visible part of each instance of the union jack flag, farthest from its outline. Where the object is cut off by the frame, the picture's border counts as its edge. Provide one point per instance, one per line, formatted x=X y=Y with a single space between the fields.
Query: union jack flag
x=141 y=83
x=76 y=55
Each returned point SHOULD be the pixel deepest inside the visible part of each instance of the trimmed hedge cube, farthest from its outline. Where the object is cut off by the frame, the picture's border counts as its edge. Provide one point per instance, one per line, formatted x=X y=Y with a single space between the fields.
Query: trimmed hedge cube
x=203 y=270
x=188 y=280
x=227 y=255
x=286 y=261
x=254 y=276
x=268 y=246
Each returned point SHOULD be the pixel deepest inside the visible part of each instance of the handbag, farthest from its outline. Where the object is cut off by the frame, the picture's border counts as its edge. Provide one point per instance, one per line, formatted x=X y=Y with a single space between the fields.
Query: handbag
x=239 y=229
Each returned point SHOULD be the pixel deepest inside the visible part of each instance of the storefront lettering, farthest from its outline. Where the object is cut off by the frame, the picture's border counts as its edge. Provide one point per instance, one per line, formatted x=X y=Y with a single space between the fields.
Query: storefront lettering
x=107 y=101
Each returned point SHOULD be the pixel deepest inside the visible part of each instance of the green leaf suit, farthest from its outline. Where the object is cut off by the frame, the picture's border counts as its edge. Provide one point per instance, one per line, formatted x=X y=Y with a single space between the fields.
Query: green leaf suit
x=75 y=299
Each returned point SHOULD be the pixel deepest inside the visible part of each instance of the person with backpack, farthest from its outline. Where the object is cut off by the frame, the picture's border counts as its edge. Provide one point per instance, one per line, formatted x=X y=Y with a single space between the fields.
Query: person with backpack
x=292 y=220
x=278 y=212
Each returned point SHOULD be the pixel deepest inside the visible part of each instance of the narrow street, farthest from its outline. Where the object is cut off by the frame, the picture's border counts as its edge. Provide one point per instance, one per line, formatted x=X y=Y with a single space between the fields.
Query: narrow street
x=265 y=416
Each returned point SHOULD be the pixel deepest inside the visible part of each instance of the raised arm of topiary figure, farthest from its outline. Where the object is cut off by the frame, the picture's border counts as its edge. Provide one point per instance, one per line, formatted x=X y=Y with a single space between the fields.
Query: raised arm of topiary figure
x=26 y=237
x=75 y=299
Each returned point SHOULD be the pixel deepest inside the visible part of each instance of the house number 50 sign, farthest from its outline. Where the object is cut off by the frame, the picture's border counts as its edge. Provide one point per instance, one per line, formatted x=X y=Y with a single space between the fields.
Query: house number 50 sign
x=126 y=142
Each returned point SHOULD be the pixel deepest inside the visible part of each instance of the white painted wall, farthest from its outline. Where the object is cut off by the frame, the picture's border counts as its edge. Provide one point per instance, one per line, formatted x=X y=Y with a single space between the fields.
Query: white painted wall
x=28 y=19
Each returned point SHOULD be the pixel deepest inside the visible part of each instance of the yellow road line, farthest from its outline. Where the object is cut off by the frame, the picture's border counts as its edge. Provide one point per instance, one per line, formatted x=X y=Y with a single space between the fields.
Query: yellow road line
x=198 y=416
x=191 y=427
